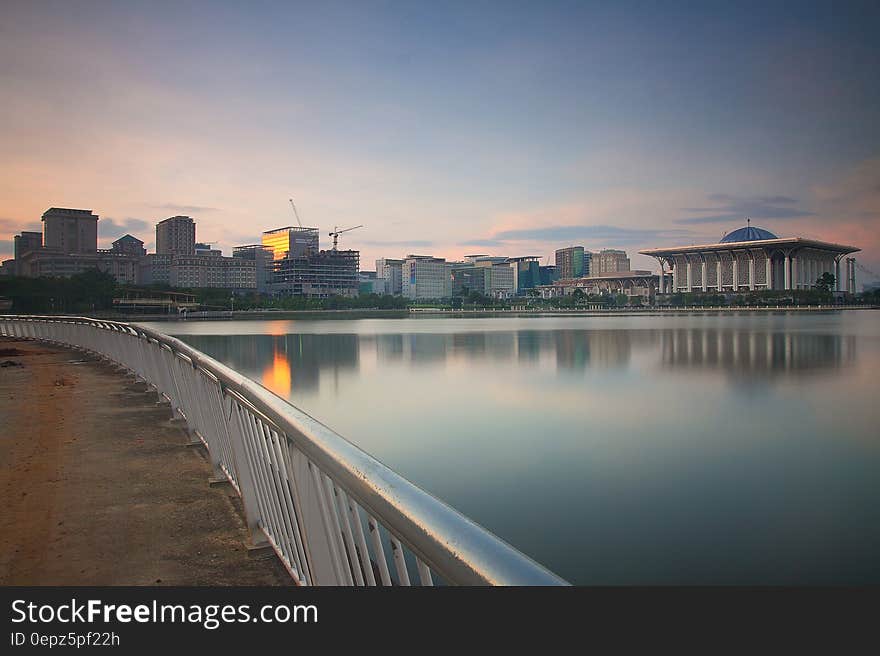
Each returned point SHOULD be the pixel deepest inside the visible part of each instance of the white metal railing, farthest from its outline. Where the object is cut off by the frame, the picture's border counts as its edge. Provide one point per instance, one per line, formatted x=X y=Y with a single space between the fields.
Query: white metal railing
x=332 y=513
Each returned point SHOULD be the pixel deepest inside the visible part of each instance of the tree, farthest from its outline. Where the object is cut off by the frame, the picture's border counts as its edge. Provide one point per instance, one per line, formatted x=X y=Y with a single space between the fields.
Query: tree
x=825 y=282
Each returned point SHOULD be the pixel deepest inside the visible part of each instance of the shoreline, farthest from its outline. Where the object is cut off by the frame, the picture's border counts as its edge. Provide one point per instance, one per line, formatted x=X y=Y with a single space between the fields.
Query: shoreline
x=360 y=313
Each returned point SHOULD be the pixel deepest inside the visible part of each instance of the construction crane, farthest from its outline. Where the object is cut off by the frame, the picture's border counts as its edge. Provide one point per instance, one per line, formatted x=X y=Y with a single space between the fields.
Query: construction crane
x=295 y=213
x=866 y=270
x=336 y=232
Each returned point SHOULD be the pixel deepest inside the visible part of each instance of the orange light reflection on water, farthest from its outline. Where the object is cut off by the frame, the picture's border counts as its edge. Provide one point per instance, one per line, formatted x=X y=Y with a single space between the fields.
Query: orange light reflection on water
x=277 y=376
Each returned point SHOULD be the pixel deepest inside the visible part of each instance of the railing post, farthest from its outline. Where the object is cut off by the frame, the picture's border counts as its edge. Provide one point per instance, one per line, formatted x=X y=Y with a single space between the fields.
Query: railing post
x=243 y=474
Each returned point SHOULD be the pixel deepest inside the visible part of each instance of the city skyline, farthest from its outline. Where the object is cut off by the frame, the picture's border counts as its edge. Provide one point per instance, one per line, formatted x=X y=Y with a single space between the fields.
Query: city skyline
x=505 y=130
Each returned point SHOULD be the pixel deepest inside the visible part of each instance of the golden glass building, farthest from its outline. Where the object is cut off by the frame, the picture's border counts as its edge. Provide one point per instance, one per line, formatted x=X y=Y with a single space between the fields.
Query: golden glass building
x=298 y=242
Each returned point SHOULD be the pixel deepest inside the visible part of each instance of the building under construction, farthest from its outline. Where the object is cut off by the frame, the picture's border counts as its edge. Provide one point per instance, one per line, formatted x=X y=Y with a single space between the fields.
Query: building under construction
x=318 y=275
x=299 y=268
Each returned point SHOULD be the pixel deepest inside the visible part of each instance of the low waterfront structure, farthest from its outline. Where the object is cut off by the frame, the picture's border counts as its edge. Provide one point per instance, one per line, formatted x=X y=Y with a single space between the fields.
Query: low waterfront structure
x=630 y=283
x=753 y=259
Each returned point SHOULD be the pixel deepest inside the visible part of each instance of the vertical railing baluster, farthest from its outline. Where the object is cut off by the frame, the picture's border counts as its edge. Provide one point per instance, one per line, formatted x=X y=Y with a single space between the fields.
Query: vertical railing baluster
x=381 y=559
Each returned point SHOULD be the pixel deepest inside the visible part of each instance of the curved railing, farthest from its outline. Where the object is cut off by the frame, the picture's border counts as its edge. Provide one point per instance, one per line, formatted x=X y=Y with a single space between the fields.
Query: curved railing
x=332 y=513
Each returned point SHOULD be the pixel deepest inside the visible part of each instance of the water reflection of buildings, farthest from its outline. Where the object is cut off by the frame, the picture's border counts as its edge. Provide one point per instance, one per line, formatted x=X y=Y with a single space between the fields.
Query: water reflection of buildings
x=756 y=353
x=291 y=364
x=578 y=349
x=286 y=364
x=569 y=349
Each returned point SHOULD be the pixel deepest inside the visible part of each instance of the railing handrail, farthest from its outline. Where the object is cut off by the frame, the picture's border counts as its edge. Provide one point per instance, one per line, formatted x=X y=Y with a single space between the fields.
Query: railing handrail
x=453 y=545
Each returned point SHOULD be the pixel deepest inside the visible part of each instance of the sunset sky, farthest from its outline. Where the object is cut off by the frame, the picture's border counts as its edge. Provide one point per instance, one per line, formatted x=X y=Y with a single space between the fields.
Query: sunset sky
x=508 y=128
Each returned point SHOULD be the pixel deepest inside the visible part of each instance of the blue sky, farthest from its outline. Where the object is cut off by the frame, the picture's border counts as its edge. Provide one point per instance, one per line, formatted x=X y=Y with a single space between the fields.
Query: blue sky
x=509 y=128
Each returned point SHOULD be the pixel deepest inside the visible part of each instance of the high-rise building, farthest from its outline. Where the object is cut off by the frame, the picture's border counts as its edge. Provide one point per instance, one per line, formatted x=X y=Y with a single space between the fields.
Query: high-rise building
x=391 y=271
x=176 y=236
x=426 y=277
x=263 y=258
x=70 y=231
x=292 y=242
x=548 y=274
x=526 y=273
x=609 y=261
x=570 y=262
x=71 y=247
x=26 y=242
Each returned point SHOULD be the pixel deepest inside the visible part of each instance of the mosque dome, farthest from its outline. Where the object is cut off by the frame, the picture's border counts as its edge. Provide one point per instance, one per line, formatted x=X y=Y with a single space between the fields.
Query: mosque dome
x=747 y=233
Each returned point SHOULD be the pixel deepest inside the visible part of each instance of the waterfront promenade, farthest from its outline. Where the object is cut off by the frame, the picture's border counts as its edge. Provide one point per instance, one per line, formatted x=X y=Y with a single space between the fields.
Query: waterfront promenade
x=100 y=487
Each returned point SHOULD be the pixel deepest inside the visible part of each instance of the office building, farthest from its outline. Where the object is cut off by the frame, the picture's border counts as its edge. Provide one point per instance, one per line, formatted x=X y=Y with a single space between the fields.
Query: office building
x=609 y=261
x=291 y=242
x=195 y=271
x=391 y=271
x=426 y=277
x=262 y=256
x=548 y=274
x=69 y=246
x=155 y=269
x=370 y=283
x=526 y=273
x=466 y=280
x=70 y=231
x=26 y=242
x=571 y=262
x=176 y=236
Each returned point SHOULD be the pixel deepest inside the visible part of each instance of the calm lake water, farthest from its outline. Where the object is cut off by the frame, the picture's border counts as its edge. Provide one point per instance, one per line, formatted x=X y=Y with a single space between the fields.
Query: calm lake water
x=613 y=449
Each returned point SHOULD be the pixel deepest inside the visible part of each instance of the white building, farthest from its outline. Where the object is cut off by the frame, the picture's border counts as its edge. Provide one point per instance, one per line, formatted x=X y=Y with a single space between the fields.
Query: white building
x=753 y=259
x=426 y=277
x=199 y=271
x=391 y=272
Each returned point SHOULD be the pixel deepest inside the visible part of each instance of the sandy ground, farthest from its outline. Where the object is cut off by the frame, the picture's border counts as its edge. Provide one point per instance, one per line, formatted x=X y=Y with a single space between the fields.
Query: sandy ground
x=99 y=487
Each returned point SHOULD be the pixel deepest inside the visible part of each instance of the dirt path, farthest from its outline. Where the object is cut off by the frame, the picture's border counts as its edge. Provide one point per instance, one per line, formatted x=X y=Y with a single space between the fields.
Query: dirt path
x=99 y=487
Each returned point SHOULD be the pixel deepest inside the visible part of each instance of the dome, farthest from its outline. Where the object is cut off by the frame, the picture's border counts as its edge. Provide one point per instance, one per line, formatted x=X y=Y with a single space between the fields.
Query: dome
x=747 y=233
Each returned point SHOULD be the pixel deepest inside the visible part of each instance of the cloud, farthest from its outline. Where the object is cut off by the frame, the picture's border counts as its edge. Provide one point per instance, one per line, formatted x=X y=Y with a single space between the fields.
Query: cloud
x=848 y=210
x=186 y=209
x=598 y=233
x=421 y=243
x=481 y=242
x=110 y=227
x=11 y=226
x=6 y=246
x=735 y=209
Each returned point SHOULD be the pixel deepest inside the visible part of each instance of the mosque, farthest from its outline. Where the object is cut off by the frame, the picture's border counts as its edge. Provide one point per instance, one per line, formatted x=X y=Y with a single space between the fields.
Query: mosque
x=753 y=259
